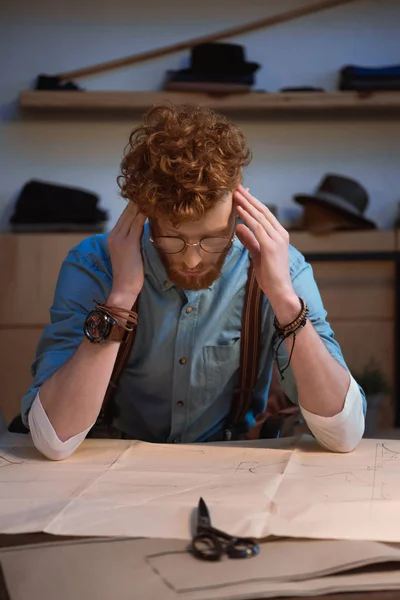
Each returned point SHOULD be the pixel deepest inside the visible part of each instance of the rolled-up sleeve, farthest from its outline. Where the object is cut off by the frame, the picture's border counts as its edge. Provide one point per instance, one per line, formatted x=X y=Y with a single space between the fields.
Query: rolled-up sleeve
x=342 y=432
x=45 y=437
x=84 y=276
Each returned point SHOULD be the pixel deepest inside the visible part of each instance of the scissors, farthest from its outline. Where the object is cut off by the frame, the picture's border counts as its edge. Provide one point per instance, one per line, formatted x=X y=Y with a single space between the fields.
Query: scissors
x=209 y=543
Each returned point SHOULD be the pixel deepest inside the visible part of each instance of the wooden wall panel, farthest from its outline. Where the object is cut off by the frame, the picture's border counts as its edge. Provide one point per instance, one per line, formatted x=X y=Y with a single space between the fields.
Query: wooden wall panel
x=368 y=340
x=344 y=241
x=364 y=341
x=29 y=266
x=354 y=291
x=18 y=348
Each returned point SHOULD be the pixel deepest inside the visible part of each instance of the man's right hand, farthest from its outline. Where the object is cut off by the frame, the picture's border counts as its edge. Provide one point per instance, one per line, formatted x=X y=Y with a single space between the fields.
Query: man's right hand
x=124 y=243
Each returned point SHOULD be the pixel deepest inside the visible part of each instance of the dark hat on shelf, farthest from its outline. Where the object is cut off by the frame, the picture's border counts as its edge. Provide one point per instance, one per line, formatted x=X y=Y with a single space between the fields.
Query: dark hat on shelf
x=219 y=58
x=342 y=195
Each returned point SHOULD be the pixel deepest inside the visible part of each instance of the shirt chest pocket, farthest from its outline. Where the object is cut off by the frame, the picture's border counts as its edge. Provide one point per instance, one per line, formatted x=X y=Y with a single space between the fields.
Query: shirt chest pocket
x=220 y=370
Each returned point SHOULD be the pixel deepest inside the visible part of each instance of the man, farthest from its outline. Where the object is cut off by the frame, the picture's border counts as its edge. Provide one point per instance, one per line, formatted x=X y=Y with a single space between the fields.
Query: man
x=178 y=247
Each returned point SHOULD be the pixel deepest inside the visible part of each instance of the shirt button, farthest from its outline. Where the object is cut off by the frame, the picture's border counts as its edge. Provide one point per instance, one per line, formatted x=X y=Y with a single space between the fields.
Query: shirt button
x=175 y=441
x=166 y=283
x=180 y=403
x=189 y=309
x=182 y=361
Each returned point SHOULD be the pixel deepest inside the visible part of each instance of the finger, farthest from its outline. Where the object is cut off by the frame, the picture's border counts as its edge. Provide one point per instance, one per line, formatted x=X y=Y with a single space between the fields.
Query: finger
x=136 y=225
x=123 y=224
x=120 y=220
x=261 y=235
x=261 y=207
x=248 y=240
x=257 y=215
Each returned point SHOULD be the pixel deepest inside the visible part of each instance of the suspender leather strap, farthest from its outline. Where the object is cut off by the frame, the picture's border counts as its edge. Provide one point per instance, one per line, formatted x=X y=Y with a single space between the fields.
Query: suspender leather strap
x=249 y=358
x=249 y=353
x=108 y=409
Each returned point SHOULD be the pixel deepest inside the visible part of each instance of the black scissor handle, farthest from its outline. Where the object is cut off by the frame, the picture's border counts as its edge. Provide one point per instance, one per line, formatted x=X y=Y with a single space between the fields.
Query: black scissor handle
x=207 y=547
x=242 y=548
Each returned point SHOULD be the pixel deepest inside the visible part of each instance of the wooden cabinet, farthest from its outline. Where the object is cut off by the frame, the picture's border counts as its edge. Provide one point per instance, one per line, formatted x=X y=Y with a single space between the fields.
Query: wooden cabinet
x=29 y=266
x=358 y=296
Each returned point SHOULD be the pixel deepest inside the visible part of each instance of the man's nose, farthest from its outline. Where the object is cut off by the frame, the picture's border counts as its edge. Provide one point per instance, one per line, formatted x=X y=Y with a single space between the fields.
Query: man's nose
x=192 y=257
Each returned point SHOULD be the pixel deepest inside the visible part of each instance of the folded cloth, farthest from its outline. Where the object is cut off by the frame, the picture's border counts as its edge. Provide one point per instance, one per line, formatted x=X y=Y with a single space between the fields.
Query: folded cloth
x=300 y=89
x=43 y=202
x=353 y=77
x=53 y=82
x=90 y=228
x=373 y=72
x=360 y=84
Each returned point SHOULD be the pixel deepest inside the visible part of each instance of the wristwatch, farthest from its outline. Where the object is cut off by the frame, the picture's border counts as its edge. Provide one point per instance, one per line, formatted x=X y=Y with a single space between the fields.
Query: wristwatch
x=100 y=327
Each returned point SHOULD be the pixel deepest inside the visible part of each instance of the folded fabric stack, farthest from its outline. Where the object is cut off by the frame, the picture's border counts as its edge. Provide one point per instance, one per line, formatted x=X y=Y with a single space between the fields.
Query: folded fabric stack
x=54 y=82
x=43 y=206
x=353 y=77
x=215 y=67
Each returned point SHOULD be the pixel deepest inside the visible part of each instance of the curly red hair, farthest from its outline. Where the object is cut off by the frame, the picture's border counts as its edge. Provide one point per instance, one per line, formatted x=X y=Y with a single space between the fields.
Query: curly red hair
x=181 y=162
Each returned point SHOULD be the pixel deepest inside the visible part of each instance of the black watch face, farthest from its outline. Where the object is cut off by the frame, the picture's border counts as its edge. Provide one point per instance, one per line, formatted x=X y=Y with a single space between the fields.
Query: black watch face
x=97 y=326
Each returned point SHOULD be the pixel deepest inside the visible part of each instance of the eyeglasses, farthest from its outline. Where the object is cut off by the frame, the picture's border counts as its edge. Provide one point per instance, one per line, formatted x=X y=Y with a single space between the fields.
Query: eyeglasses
x=174 y=245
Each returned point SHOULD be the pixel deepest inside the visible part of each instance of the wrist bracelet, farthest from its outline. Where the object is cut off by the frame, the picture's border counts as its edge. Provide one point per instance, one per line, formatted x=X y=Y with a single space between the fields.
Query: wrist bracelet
x=118 y=313
x=283 y=332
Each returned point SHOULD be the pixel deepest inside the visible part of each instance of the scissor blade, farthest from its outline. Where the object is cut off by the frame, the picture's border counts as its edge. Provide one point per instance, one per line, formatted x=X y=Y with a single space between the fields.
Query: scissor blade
x=203 y=516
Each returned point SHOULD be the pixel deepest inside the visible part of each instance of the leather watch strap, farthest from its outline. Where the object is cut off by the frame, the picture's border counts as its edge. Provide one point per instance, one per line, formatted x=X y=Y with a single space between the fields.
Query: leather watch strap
x=118 y=334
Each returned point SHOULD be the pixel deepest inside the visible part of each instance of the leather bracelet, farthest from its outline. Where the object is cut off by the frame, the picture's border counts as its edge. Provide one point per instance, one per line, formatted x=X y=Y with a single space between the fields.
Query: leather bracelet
x=118 y=313
x=296 y=323
x=285 y=331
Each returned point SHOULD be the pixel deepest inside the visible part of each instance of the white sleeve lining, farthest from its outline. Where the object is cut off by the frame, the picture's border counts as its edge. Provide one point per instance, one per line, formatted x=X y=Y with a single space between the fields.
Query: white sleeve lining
x=45 y=438
x=342 y=432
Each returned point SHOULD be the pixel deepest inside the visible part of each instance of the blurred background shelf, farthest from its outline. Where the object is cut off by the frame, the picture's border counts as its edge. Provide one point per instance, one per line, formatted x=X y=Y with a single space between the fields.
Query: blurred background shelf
x=376 y=103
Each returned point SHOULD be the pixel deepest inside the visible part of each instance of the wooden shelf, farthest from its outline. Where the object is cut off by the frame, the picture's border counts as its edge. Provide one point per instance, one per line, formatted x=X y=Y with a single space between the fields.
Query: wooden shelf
x=377 y=103
x=374 y=240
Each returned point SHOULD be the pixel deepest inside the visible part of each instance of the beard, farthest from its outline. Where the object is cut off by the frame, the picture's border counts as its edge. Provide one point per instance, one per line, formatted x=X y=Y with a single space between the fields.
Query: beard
x=202 y=281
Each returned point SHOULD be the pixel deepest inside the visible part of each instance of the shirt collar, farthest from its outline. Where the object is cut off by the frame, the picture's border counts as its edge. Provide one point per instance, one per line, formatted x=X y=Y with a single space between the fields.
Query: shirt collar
x=156 y=269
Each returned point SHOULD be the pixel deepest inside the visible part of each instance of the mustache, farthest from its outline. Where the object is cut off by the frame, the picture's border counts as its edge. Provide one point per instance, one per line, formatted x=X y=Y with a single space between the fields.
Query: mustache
x=198 y=268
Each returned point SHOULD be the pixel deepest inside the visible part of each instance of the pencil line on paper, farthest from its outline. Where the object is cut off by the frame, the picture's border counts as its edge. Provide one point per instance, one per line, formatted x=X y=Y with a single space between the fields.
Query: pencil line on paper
x=374 y=470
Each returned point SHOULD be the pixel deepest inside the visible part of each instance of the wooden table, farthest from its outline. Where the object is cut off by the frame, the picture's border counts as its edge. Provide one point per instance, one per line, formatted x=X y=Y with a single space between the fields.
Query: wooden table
x=37 y=538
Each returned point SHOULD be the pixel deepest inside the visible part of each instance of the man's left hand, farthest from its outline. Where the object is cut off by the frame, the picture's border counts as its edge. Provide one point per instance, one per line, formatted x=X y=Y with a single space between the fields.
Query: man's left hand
x=268 y=244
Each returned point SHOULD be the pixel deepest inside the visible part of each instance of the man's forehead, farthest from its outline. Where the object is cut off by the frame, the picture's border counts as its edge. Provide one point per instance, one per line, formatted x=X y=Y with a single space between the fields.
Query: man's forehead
x=215 y=220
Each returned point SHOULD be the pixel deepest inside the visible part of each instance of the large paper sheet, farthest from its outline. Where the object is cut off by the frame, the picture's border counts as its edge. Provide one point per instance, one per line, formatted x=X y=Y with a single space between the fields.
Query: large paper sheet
x=34 y=490
x=129 y=488
x=341 y=496
x=154 y=569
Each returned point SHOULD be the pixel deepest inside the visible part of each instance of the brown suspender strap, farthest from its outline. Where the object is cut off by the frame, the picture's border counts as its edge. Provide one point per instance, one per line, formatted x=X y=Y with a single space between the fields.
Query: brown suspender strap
x=249 y=357
x=108 y=409
x=249 y=352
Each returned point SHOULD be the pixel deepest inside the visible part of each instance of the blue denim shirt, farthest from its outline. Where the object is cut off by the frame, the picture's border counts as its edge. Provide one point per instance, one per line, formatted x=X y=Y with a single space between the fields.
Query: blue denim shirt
x=159 y=399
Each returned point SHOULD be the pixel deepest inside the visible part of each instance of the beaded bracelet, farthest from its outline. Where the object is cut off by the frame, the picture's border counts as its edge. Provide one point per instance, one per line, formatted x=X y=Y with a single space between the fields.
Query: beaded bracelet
x=284 y=331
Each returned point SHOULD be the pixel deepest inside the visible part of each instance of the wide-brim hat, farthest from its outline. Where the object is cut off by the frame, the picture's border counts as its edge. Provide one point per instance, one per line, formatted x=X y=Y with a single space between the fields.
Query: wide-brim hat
x=343 y=195
x=220 y=58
